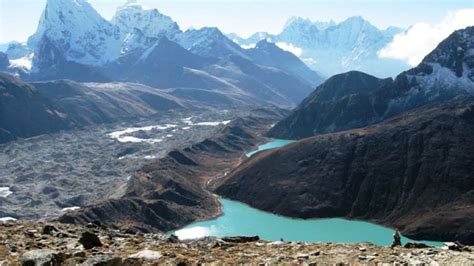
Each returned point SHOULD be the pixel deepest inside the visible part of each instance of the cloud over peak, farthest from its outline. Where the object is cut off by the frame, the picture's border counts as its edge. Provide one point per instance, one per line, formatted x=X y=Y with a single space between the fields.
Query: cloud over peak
x=414 y=44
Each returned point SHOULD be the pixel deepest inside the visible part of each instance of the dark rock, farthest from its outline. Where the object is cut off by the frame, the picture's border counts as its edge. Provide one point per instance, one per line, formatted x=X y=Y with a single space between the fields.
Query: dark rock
x=241 y=239
x=90 y=240
x=416 y=245
x=49 y=230
x=173 y=239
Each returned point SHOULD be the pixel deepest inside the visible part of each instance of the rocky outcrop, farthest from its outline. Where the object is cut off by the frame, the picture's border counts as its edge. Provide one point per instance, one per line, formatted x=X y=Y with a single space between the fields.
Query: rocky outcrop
x=24 y=112
x=120 y=248
x=412 y=172
x=355 y=99
x=170 y=192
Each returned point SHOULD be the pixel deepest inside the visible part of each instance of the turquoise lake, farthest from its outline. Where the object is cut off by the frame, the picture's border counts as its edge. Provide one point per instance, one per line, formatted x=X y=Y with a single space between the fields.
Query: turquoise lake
x=242 y=220
x=276 y=143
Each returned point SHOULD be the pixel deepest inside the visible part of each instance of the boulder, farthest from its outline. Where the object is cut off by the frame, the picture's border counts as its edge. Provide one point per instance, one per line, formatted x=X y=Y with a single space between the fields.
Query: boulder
x=90 y=240
x=42 y=257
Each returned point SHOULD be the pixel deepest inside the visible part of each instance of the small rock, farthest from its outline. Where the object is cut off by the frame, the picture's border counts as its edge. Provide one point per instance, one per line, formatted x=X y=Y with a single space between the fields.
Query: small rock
x=416 y=245
x=49 y=230
x=302 y=256
x=173 y=239
x=90 y=240
x=453 y=246
x=361 y=257
x=148 y=255
x=80 y=254
x=276 y=243
x=241 y=239
x=363 y=249
x=316 y=253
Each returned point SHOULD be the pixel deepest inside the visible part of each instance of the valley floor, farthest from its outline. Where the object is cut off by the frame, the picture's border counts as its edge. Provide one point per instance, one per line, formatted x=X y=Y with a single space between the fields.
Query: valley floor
x=27 y=242
x=45 y=176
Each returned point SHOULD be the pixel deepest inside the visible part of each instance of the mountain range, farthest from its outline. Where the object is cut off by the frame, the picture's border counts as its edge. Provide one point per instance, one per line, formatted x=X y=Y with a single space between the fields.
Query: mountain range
x=356 y=99
x=333 y=48
x=73 y=41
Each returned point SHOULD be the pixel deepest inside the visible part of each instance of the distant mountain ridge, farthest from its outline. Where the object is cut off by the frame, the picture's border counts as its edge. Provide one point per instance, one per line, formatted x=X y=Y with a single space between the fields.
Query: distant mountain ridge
x=141 y=45
x=356 y=99
x=332 y=48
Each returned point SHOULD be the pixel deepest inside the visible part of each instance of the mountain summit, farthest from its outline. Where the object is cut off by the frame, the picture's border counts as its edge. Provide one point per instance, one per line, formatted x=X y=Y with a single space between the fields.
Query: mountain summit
x=140 y=26
x=76 y=29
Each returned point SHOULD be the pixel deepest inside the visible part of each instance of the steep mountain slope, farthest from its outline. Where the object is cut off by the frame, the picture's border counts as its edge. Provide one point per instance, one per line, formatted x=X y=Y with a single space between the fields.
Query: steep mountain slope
x=356 y=99
x=331 y=48
x=268 y=54
x=95 y=103
x=24 y=112
x=412 y=172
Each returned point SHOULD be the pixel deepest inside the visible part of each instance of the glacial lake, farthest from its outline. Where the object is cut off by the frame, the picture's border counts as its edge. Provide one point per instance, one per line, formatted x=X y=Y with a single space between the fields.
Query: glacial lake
x=276 y=143
x=239 y=219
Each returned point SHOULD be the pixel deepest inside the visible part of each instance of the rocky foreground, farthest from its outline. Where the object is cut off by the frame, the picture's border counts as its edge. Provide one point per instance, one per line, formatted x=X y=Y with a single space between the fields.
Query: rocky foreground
x=36 y=243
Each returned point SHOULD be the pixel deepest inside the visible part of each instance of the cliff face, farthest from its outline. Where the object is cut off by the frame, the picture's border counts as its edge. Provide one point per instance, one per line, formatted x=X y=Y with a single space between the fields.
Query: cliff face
x=170 y=192
x=413 y=172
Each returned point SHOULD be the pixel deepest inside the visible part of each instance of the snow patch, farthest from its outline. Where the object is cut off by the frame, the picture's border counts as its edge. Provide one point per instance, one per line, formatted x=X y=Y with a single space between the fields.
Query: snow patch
x=7 y=219
x=248 y=46
x=69 y=209
x=25 y=62
x=120 y=135
x=290 y=48
x=5 y=192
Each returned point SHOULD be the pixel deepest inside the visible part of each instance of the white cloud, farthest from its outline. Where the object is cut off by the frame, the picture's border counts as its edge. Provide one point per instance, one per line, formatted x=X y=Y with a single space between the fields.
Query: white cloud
x=290 y=48
x=420 y=39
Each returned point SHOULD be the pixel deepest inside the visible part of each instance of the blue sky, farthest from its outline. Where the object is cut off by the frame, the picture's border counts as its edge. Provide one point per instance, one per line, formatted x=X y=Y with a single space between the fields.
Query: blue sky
x=18 y=18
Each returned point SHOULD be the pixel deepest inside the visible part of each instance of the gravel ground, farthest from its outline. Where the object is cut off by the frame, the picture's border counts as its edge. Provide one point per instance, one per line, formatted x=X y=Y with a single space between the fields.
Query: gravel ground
x=37 y=242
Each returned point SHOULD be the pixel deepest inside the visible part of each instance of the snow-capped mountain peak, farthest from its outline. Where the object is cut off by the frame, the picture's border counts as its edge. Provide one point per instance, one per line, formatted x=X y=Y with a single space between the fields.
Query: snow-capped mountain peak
x=140 y=26
x=76 y=29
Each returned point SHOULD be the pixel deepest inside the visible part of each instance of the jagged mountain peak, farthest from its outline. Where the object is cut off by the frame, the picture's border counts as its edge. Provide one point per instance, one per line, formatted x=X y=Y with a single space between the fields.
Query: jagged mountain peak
x=455 y=53
x=150 y=22
x=76 y=29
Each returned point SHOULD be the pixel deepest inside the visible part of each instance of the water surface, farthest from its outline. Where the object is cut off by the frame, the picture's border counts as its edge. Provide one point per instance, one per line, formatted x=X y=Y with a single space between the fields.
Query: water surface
x=242 y=220
x=275 y=143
